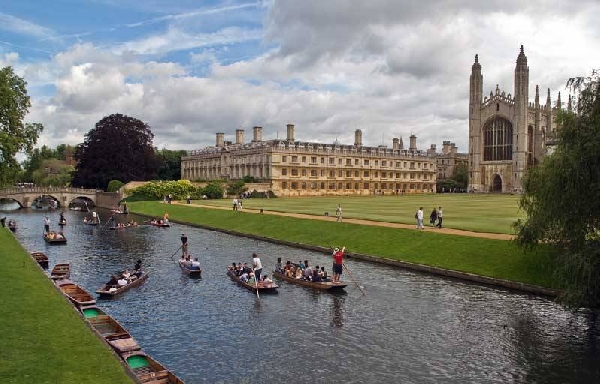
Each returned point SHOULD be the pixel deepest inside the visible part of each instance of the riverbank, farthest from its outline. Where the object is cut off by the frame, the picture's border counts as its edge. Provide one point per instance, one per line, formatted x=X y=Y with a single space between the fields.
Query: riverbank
x=499 y=259
x=43 y=338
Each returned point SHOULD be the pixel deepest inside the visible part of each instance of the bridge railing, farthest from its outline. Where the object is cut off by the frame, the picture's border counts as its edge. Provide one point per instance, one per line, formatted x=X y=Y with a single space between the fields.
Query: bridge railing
x=46 y=190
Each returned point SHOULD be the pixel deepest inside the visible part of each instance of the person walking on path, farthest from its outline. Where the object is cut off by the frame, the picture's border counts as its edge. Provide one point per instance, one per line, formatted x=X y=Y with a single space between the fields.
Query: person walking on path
x=338 y=263
x=235 y=204
x=184 y=245
x=420 y=218
x=433 y=217
x=338 y=212
x=439 y=217
x=257 y=266
x=47 y=224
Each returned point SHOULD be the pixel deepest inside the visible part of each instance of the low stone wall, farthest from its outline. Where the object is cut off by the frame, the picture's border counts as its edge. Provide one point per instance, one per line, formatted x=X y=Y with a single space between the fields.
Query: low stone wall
x=108 y=200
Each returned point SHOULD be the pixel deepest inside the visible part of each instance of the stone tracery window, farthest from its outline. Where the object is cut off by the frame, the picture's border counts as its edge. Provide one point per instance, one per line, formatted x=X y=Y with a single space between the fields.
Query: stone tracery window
x=497 y=140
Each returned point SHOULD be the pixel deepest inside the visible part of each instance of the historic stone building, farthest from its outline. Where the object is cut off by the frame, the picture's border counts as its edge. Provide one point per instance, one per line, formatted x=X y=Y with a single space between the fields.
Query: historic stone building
x=448 y=160
x=297 y=168
x=507 y=134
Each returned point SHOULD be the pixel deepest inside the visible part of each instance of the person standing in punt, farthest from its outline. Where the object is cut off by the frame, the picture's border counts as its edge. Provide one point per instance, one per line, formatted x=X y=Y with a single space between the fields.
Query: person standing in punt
x=47 y=224
x=257 y=266
x=338 y=262
x=184 y=245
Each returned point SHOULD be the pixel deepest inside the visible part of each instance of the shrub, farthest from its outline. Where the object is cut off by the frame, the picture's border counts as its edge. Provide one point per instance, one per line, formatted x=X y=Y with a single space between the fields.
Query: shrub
x=157 y=190
x=114 y=185
x=213 y=191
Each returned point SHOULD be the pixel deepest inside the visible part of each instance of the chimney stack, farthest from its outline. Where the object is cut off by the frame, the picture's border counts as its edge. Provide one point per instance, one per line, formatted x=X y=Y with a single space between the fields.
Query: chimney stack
x=257 y=134
x=413 y=143
x=453 y=148
x=395 y=143
x=446 y=147
x=220 y=139
x=358 y=138
x=239 y=136
x=290 y=132
x=432 y=150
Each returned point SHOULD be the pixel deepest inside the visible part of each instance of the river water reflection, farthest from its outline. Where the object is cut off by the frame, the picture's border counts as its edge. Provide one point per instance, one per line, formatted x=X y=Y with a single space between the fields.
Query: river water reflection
x=409 y=328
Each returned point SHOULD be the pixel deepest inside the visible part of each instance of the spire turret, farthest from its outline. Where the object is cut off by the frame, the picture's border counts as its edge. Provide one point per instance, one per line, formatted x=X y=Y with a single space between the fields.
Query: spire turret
x=548 y=102
x=558 y=102
x=570 y=104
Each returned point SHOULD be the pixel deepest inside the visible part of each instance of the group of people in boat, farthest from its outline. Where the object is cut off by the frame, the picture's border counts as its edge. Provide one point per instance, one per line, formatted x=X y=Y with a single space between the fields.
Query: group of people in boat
x=95 y=219
x=247 y=274
x=52 y=235
x=189 y=263
x=303 y=271
x=132 y=223
x=126 y=277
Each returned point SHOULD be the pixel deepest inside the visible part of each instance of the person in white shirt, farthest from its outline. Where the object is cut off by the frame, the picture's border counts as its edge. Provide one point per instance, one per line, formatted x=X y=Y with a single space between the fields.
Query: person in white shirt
x=122 y=282
x=420 y=218
x=439 y=216
x=257 y=266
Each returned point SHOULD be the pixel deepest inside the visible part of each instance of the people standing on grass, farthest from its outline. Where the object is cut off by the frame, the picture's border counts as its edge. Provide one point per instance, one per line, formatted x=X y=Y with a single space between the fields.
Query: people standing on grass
x=338 y=212
x=439 y=216
x=235 y=204
x=419 y=217
x=338 y=263
x=433 y=217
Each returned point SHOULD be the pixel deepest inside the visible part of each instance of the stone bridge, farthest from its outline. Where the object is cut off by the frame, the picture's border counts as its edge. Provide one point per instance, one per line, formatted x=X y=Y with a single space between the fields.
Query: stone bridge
x=63 y=195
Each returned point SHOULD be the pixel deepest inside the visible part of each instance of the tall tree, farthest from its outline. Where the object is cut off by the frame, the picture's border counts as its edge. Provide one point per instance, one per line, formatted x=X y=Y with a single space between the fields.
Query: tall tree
x=15 y=135
x=170 y=168
x=562 y=200
x=119 y=147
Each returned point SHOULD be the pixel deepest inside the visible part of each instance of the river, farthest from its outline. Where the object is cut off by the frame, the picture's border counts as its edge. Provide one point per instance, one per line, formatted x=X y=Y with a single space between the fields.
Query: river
x=408 y=328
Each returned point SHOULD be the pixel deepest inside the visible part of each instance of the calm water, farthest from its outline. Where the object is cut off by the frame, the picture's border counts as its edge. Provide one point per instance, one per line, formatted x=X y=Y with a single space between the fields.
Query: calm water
x=409 y=328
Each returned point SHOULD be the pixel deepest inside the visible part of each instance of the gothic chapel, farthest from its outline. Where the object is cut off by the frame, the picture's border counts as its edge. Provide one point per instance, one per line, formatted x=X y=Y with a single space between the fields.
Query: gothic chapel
x=507 y=134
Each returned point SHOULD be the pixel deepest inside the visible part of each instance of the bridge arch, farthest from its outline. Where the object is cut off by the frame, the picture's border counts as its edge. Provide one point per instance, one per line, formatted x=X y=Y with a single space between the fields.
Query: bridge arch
x=64 y=195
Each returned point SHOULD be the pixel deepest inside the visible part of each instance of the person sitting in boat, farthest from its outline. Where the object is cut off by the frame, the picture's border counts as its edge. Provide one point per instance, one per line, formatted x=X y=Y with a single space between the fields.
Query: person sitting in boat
x=60 y=235
x=266 y=279
x=138 y=268
x=251 y=278
x=122 y=282
x=278 y=266
x=298 y=273
x=307 y=271
x=126 y=274
x=289 y=272
x=301 y=265
x=195 y=265
x=246 y=269
x=112 y=282
x=244 y=277
x=316 y=278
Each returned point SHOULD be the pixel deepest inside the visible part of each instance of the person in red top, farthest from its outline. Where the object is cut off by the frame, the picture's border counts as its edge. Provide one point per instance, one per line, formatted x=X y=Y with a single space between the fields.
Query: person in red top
x=338 y=260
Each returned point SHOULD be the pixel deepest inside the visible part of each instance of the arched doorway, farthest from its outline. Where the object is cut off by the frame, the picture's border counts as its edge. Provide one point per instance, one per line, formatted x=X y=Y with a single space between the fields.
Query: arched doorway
x=497 y=184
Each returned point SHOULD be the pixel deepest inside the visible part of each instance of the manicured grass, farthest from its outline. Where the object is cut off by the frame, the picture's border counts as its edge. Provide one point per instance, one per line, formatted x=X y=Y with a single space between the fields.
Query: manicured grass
x=495 y=258
x=43 y=339
x=493 y=213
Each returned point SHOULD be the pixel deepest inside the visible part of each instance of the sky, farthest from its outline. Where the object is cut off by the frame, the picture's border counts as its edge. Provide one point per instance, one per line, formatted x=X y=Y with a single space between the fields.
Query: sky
x=190 y=68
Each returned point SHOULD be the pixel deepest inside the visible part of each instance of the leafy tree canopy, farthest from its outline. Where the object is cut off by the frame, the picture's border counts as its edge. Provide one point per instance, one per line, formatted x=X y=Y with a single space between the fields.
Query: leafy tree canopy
x=119 y=147
x=170 y=167
x=562 y=200
x=15 y=135
x=37 y=156
x=54 y=173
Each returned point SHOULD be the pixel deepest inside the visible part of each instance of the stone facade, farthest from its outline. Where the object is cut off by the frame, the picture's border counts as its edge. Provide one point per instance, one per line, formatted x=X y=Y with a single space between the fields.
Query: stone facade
x=448 y=160
x=297 y=168
x=507 y=134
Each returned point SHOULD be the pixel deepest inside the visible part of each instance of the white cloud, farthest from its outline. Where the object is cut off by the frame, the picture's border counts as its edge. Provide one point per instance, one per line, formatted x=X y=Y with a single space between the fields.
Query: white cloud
x=23 y=27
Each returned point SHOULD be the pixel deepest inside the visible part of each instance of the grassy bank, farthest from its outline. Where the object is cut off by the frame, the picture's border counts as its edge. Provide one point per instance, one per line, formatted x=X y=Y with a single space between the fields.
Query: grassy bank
x=43 y=339
x=493 y=213
x=494 y=258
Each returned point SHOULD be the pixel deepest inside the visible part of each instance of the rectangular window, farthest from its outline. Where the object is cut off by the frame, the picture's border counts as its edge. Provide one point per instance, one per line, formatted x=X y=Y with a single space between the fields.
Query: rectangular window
x=303 y=185
x=294 y=160
x=304 y=159
x=348 y=186
x=397 y=175
x=313 y=160
x=355 y=161
x=397 y=164
x=348 y=161
x=322 y=185
x=284 y=172
x=331 y=173
x=340 y=173
x=322 y=173
x=294 y=173
x=376 y=174
x=322 y=160
x=340 y=186
x=366 y=186
x=313 y=172
x=383 y=174
x=348 y=174
x=356 y=186
x=284 y=185
x=331 y=186
x=283 y=159
x=294 y=185
x=384 y=163
x=366 y=174
x=331 y=161
x=304 y=172
x=376 y=162
x=366 y=162
x=356 y=174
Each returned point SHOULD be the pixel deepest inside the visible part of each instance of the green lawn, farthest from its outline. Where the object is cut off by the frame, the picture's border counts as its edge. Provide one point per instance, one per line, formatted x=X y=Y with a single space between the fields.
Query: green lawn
x=474 y=212
x=495 y=258
x=43 y=338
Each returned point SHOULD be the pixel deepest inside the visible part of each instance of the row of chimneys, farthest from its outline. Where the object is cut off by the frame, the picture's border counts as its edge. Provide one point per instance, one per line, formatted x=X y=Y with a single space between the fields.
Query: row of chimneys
x=239 y=138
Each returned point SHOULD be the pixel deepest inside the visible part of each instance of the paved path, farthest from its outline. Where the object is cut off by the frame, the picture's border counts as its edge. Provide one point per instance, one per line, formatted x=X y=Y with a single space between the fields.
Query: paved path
x=445 y=231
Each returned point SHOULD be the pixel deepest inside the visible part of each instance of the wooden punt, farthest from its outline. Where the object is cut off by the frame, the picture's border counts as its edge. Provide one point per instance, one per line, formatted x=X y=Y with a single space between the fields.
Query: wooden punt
x=190 y=272
x=61 y=271
x=157 y=224
x=123 y=227
x=325 y=285
x=148 y=370
x=117 y=336
x=262 y=286
x=54 y=240
x=91 y=311
x=41 y=258
x=106 y=291
x=75 y=293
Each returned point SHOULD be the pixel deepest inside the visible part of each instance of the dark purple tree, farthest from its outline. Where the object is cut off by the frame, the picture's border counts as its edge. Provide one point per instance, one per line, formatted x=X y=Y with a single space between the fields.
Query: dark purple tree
x=119 y=147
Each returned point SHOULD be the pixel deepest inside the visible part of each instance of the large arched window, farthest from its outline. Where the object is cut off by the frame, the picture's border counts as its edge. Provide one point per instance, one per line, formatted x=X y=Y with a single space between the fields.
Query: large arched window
x=497 y=140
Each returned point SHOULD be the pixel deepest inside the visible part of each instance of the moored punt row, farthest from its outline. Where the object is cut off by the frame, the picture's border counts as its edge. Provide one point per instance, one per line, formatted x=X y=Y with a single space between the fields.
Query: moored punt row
x=324 y=285
x=61 y=271
x=113 y=290
x=266 y=287
x=148 y=370
x=41 y=258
